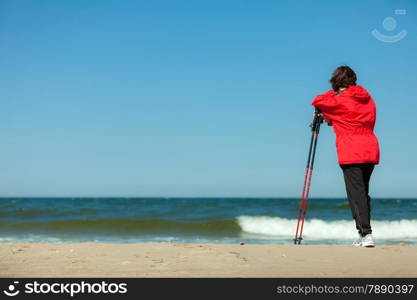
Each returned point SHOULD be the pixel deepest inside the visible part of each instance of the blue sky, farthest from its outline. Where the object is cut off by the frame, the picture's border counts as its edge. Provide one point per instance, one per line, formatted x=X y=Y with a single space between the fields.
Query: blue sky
x=195 y=98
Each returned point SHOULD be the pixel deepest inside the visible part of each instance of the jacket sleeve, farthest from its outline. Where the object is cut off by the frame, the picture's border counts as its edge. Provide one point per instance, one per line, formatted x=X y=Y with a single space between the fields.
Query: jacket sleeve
x=325 y=102
x=329 y=105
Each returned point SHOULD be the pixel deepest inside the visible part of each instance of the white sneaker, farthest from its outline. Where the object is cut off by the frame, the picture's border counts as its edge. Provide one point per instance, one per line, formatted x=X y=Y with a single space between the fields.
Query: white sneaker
x=358 y=241
x=367 y=241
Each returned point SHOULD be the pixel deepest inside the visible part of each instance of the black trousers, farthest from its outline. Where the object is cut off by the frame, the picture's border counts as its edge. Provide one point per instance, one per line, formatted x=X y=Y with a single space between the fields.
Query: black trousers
x=357 y=178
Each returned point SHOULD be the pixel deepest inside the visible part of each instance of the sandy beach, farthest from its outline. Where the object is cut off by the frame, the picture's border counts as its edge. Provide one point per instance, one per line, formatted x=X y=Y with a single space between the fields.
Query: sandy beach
x=204 y=260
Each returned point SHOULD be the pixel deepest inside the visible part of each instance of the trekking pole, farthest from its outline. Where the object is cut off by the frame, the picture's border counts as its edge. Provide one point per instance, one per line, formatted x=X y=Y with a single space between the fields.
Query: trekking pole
x=315 y=128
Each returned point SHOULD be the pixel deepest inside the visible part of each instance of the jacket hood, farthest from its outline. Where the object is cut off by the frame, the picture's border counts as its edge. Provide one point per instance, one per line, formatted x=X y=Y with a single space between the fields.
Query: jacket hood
x=358 y=92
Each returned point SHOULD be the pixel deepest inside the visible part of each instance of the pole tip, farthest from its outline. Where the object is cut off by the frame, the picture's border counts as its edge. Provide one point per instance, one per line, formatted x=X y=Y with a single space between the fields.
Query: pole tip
x=297 y=241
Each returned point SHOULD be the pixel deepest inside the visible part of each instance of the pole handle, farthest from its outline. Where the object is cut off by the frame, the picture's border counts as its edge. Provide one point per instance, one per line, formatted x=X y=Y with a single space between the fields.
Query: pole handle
x=317 y=120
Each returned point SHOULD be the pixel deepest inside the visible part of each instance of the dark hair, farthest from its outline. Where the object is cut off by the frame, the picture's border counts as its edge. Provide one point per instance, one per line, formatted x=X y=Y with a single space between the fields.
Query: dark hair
x=342 y=77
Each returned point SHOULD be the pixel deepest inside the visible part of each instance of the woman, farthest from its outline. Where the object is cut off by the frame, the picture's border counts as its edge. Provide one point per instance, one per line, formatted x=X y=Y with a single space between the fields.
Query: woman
x=350 y=109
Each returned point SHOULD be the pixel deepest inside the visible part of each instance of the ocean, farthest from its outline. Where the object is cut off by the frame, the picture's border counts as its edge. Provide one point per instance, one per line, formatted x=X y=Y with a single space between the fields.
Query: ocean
x=199 y=220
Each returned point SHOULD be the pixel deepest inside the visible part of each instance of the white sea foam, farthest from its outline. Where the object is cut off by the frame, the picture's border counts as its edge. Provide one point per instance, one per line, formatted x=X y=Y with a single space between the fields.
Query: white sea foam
x=320 y=229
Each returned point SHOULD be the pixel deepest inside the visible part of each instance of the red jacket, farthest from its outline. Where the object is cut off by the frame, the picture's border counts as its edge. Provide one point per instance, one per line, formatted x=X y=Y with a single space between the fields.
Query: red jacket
x=352 y=115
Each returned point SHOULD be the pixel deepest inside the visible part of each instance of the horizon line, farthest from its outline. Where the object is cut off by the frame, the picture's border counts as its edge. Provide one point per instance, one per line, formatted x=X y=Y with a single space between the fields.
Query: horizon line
x=200 y=197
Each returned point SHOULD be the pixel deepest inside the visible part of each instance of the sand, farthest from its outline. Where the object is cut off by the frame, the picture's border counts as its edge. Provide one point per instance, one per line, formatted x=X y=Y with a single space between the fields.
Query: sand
x=204 y=260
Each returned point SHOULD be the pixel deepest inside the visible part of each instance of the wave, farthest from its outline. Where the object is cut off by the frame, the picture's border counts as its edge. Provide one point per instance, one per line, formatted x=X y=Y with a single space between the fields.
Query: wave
x=122 y=226
x=252 y=227
x=320 y=229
